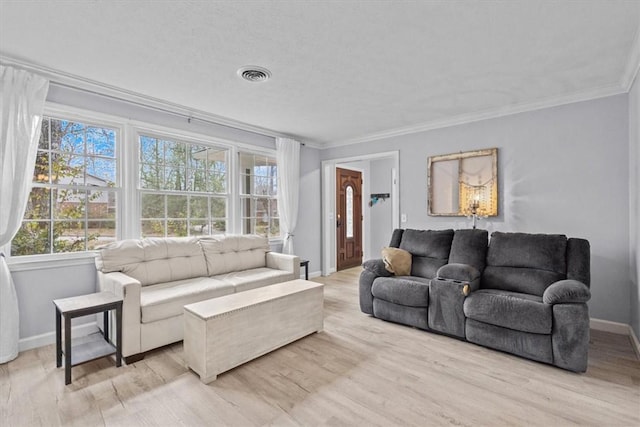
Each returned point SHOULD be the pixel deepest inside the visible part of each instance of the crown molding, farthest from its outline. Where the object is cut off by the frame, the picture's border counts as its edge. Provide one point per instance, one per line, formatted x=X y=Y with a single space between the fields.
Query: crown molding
x=72 y=81
x=633 y=63
x=601 y=92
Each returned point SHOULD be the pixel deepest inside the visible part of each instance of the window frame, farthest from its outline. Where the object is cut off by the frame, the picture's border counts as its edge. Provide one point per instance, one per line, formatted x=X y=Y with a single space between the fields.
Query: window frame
x=86 y=117
x=128 y=211
x=242 y=196
x=139 y=132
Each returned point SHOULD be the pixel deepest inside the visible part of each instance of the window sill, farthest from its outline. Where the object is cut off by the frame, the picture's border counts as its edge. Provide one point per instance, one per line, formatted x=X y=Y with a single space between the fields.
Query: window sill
x=49 y=261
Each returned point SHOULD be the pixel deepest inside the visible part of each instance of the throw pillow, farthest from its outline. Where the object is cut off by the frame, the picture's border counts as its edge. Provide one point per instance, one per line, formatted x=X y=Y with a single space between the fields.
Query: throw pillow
x=397 y=261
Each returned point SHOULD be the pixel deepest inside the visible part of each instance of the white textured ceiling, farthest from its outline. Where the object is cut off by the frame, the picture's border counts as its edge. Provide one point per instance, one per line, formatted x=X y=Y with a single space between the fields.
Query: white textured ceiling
x=342 y=71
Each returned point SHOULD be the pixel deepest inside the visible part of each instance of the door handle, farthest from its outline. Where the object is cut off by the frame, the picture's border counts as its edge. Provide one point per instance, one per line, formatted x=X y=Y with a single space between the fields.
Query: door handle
x=338 y=222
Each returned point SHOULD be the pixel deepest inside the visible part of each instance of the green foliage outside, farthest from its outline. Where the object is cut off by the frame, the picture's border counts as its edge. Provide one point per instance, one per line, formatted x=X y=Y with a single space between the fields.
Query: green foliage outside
x=62 y=159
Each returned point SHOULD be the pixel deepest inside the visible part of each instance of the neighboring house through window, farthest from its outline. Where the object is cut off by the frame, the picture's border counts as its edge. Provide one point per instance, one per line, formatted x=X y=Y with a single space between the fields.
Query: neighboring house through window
x=171 y=184
x=72 y=205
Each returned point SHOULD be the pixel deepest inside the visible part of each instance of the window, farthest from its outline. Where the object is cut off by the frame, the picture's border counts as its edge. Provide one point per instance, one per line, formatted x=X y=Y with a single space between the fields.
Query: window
x=349 y=209
x=90 y=187
x=258 y=194
x=183 y=188
x=72 y=205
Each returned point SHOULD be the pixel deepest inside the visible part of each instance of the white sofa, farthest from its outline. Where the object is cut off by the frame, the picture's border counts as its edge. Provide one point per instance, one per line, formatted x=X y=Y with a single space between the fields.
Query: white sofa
x=157 y=277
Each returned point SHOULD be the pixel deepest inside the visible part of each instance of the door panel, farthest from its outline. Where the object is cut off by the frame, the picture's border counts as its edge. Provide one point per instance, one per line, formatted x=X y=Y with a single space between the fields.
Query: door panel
x=349 y=218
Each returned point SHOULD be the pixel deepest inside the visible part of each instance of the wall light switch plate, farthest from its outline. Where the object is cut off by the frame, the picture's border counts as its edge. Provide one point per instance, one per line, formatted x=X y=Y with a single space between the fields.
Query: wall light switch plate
x=403 y=218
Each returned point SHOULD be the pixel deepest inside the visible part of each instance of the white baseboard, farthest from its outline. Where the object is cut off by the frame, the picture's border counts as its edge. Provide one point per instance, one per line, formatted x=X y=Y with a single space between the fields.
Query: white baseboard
x=50 y=337
x=617 y=328
x=608 y=326
x=315 y=274
x=635 y=342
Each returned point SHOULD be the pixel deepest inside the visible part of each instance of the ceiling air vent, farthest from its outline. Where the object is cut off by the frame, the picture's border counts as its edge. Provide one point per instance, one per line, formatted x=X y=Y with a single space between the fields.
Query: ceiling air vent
x=254 y=74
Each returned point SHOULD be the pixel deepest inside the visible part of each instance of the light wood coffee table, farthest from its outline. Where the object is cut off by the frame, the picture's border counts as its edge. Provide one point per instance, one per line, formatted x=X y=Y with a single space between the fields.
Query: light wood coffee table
x=224 y=332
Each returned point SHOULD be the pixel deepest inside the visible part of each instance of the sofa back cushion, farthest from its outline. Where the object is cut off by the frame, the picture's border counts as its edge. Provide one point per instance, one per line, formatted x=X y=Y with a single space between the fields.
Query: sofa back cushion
x=229 y=253
x=154 y=260
x=469 y=246
x=429 y=249
x=526 y=263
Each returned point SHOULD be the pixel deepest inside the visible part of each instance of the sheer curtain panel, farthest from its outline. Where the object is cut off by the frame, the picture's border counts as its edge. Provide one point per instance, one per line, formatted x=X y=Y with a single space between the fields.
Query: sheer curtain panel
x=23 y=95
x=288 y=159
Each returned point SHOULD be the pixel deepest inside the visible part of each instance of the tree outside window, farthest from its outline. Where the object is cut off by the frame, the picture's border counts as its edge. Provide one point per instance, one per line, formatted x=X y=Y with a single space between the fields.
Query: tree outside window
x=183 y=188
x=258 y=195
x=72 y=205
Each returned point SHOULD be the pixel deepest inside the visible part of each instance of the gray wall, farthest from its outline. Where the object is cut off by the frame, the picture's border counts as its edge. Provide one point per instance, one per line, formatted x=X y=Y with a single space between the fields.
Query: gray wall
x=634 y=203
x=380 y=213
x=307 y=238
x=567 y=169
x=36 y=288
x=561 y=170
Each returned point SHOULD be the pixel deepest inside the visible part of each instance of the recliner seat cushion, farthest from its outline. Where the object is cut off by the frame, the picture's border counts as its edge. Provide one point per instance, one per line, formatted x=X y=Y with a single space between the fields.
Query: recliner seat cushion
x=166 y=300
x=404 y=290
x=516 y=311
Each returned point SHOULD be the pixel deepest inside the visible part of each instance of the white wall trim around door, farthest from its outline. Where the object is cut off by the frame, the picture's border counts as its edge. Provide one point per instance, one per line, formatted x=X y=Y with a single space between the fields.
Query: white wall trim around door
x=328 y=169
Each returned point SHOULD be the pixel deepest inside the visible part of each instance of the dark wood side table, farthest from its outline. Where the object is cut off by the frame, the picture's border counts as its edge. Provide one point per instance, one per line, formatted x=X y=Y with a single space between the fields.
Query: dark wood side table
x=84 y=305
x=305 y=263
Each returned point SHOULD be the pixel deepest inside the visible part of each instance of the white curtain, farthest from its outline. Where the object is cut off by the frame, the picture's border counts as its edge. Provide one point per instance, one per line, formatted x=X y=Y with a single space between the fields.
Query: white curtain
x=23 y=96
x=288 y=158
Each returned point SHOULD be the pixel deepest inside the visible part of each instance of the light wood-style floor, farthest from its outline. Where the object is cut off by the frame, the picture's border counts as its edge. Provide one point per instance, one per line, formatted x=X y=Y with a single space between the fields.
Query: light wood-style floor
x=359 y=371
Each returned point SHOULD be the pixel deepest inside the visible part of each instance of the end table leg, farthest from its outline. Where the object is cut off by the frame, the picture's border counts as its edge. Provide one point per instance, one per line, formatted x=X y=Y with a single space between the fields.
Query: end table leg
x=105 y=326
x=119 y=335
x=58 y=339
x=67 y=350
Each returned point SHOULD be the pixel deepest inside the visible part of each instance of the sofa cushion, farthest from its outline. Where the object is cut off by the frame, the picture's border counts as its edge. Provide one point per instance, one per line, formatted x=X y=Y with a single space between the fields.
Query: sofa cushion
x=469 y=247
x=427 y=243
x=154 y=260
x=224 y=254
x=166 y=300
x=397 y=261
x=254 y=278
x=525 y=280
x=426 y=267
x=523 y=250
x=516 y=311
x=405 y=290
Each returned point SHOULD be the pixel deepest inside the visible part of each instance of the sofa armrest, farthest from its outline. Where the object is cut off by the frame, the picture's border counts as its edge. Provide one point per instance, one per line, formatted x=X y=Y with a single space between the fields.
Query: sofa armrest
x=467 y=275
x=376 y=266
x=284 y=262
x=129 y=289
x=566 y=292
x=459 y=272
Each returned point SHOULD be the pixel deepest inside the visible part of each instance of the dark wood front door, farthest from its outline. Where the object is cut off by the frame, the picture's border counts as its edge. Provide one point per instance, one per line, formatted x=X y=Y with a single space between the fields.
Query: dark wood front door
x=348 y=218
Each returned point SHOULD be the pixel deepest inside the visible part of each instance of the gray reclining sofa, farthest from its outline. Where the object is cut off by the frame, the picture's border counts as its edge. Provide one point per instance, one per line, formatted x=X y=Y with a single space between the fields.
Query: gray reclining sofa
x=520 y=293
